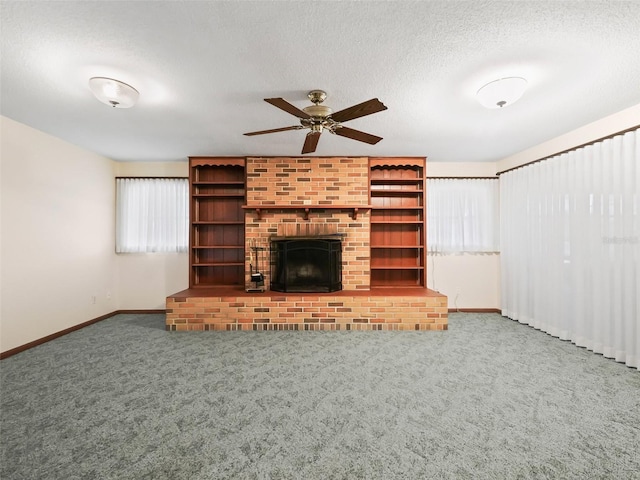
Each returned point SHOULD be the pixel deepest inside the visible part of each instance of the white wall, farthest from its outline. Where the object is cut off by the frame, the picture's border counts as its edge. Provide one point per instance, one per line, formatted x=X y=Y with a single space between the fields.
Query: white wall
x=152 y=169
x=57 y=251
x=468 y=280
x=615 y=123
x=461 y=169
x=144 y=280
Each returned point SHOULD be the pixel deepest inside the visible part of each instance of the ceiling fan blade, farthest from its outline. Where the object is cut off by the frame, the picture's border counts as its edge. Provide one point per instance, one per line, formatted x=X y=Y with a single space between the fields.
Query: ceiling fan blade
x=274 y=130
x=357 y=135
x=282 y=104
x=311 y=142
x=365 y=108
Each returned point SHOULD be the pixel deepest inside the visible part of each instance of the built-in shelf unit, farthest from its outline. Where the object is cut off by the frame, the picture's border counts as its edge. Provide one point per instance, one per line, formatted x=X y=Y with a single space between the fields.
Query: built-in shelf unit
x=217 y=189
x=398 y=241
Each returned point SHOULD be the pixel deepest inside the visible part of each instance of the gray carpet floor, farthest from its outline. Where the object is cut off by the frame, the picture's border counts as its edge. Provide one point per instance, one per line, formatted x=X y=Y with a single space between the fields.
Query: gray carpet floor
x=487 y=399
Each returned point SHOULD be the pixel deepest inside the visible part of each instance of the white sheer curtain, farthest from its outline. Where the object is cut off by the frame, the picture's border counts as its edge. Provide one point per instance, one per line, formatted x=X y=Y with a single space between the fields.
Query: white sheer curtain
x=570 y=238
x=462 y=215
x=152 y=215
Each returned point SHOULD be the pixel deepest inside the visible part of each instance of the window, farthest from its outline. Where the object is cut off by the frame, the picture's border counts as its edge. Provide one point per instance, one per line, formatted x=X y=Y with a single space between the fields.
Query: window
x=152 y=215
x=462 y=215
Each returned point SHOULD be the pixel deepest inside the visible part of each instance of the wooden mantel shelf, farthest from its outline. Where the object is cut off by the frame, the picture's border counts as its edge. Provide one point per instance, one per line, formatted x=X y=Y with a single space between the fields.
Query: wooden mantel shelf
x=308 y=208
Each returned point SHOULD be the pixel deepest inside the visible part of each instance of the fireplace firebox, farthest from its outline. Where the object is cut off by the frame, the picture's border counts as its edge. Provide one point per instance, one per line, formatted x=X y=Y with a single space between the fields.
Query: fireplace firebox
x=302 y=264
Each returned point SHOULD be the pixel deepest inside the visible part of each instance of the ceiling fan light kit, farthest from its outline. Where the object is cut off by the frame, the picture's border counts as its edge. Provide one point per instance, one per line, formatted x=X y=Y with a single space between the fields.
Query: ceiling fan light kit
x=502 y=92
x=113 y=92
x=318 y=118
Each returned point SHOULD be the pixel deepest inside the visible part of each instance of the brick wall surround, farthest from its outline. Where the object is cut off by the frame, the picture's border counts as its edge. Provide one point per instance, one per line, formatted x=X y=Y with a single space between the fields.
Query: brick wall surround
x=311 y=181
x=355 y=244
x=308 y=181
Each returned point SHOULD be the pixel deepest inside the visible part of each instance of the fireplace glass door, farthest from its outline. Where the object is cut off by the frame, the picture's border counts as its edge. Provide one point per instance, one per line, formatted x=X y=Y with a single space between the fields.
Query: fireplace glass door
x=306 y=265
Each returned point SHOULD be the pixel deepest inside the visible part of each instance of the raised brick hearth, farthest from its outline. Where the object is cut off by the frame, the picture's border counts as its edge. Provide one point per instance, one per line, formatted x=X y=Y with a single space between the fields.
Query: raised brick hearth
x=378 y=309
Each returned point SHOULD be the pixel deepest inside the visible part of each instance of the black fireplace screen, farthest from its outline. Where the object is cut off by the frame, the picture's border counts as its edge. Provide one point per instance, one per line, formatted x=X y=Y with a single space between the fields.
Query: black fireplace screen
x=306 y=265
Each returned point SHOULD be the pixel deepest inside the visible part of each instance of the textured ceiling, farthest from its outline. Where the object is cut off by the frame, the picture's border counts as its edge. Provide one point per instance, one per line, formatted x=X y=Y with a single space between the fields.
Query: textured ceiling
x=203 y=69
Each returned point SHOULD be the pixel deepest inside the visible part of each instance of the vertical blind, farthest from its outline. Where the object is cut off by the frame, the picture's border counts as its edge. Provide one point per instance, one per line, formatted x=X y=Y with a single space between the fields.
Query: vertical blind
x=152 y=215
x=571 y=246
x=462 y=215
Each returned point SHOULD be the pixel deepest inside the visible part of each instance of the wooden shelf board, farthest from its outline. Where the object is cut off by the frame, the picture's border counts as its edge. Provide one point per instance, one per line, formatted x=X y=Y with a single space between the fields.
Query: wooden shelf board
x=218 y=223
x=396 y=181
x=302 y=207
x=218 y=195
x=196 y=162
x=394 y=193
x=221 y=184
x=408 y=162
x=308 y=208
x=397 y=222
x=398 y=246
x=397 y=268
x=218 y=264
x=213 y=247
x=398 y=208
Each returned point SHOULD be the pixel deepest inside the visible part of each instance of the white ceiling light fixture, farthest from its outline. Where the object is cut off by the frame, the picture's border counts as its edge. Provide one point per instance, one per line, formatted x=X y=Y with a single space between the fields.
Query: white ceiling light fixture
x=501 y=93
x=113 y=92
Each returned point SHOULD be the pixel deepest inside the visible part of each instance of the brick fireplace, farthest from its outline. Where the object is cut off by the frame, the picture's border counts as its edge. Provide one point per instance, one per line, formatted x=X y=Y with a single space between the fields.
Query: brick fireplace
x=308 y=197
x=300 y=182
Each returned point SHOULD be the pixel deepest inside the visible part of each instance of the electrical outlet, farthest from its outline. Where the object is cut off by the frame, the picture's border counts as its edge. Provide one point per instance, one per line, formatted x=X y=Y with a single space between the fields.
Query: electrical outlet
x=93 y=299
x=108 y=295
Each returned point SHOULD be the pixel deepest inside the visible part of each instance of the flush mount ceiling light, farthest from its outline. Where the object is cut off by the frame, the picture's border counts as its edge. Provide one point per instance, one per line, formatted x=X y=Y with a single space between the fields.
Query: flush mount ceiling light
x=502 y=92
x=113 y=92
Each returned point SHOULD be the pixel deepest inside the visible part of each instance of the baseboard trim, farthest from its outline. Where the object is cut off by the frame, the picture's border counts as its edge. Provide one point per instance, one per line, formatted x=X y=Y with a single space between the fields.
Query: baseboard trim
x=159 y=310
x=475 y=310
x=61 y=333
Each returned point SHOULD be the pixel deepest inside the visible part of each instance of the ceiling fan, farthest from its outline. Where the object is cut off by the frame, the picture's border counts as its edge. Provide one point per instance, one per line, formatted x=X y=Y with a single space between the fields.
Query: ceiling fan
x=318 y=117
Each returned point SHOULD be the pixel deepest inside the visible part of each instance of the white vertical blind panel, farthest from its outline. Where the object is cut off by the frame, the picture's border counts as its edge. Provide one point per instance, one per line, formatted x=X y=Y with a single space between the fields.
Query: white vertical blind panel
x=570 y=238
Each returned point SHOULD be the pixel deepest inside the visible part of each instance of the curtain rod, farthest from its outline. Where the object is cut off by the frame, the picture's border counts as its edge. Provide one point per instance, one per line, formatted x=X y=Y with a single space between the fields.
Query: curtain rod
x=592 y=142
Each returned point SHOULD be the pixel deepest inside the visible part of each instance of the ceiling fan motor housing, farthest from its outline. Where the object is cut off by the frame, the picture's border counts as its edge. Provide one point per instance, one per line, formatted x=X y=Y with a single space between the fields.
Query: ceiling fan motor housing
x=320 y=111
